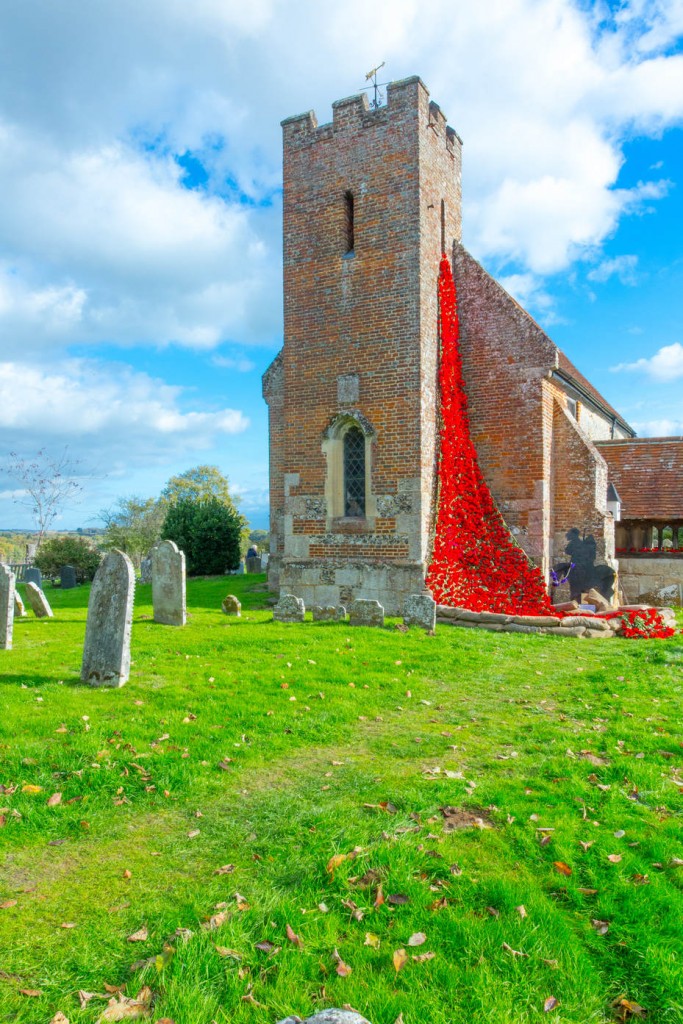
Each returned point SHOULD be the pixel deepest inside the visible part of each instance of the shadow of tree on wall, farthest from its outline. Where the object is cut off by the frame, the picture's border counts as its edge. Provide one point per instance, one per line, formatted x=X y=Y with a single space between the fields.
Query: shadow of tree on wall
x=585 y=574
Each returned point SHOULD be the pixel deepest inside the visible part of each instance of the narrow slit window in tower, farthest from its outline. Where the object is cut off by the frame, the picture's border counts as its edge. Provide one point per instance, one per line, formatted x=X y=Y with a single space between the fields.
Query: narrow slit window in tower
x=443 y=225
x=349 y=226
x=354 y=472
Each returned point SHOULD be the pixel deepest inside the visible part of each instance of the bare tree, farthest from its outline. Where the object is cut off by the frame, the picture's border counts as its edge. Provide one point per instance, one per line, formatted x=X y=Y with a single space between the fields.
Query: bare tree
x=47 y=485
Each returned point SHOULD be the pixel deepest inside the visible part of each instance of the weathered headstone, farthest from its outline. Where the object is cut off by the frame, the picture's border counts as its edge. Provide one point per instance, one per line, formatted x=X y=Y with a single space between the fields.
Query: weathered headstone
x=33 y=575
x=168 y=584
x=146 y=570
x=240 y=570
x=253 y=563
x=19 y=610
x=289 y=609
x=38 y=601
x=67 y=577
x=106 y=654
x=420 y=610
x=328 y=613
x=231 y=606
x=329 y=1017
x=7 y=591
x=366 y=613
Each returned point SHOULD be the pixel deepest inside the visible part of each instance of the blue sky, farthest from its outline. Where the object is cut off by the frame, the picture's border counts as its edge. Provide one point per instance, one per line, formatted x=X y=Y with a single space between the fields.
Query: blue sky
x=140 y=168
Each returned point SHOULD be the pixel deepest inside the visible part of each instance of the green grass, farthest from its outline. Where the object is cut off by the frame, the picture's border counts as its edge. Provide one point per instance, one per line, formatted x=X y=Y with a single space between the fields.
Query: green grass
x=320 y=720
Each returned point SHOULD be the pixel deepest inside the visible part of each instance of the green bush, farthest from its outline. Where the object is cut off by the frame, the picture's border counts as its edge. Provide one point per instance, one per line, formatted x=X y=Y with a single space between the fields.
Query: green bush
x=208 y=531
x=55 y=552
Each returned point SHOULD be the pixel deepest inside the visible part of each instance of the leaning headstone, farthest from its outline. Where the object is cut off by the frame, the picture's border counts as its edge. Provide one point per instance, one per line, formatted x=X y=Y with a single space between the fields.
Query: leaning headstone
x=146 y=570
x=106 y=654
x=329 y=1017
x=33 y=575
x=420 y=610
x=19 y=610
x=366 y=613
x=67 y=577
x=231 y=606
x=289 y=609
x=328 y=613
x=168 y=584
x=38 y=601
x=7 y=591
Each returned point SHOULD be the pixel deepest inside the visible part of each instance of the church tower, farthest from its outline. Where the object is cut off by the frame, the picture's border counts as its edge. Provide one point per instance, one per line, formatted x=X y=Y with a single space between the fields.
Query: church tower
x=371 y=200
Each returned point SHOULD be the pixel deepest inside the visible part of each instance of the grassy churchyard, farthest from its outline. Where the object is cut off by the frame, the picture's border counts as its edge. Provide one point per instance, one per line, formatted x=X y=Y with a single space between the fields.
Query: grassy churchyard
x=272 y=819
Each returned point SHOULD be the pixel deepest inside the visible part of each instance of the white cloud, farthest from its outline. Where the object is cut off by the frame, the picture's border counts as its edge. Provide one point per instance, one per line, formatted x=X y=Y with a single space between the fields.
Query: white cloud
x=239 y=363
x=664 y=366
x=659 y=428
x=112 y=414
x=623 y=267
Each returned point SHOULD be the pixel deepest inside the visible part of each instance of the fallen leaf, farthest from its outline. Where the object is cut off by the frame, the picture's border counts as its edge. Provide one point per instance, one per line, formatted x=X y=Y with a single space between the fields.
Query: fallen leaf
x=398 y=898
x=85 y=997
x=127 y=873
x=400 y=959
x=231 y=953
x=515 y=952
x=140 y=936
x=294 y=938
x=193 y=833
x=521 y=910
x=216 y=920
x=493 y=912
x=379 y=897
x=28 y=788
x=7 y=904
x=54 y=800
x=334 y=862
x=588 y=892
x=629 y=1008
x=227 y=869
x=123 y=1008
x=549 y=1004
x=614 y=858
x=563 y=868
x=67 y=924
x=417 y=939
x=59 y=1018
x=421 y=958
x=372 y=940
x=601 y=927
x=33 y=993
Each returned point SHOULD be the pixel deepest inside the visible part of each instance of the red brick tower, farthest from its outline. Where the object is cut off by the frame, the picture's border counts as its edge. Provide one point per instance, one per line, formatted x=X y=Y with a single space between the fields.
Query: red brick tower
x=370 y=202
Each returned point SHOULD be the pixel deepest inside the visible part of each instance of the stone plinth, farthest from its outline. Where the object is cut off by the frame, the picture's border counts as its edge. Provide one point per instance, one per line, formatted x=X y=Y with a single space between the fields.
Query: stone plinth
x=106 y=654
x=38 y=601
x=168 y=584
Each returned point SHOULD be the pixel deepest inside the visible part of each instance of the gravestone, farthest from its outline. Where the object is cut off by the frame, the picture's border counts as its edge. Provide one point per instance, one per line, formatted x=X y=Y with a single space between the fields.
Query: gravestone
x=106 y=653
x=19 y=610
x=67 y=577
x=366 y=613
x=420 y=610
x=329 y=1017
x=289 y=609
x=38 y=601
x=146 y=570
x=7 y=591
x=33 y=575
x=328 y=613
x=231 y=606
x=168 y=584
x=240 y=570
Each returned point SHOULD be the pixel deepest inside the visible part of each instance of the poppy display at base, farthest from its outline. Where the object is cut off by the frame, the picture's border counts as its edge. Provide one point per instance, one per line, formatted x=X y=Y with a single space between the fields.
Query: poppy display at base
x=476 y=563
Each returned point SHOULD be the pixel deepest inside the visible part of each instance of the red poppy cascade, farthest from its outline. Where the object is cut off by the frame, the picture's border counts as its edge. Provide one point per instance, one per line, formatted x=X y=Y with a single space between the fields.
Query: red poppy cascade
x=475 y=563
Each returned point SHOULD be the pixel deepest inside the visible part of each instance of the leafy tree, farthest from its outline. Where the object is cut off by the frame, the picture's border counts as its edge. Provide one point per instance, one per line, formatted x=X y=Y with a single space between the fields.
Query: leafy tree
x=133 y=526
x=58 y=551
x=261 y=538
x=208 y=531
x=198 y=484
x=47 y=485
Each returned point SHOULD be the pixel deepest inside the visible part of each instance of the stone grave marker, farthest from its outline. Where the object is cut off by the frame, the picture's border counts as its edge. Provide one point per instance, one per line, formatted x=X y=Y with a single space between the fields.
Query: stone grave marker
x=168 y=584
x=231 y=606
x=38 y=601
x=328 y=613
x=33 y=575
x=146 y=570
x=106 y=654
x=366 y=613
x=289 y=609
x=67 y=577
x=420 y=610
x=7 y=592
x=329 y=1017
x=19 y=610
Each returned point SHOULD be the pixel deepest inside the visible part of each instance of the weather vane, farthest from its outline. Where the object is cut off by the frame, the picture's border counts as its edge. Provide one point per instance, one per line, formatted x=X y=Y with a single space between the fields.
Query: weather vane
x=372 y=76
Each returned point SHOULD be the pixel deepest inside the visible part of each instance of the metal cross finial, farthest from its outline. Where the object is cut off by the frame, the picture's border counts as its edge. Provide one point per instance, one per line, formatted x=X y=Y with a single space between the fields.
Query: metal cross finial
x=372 y=75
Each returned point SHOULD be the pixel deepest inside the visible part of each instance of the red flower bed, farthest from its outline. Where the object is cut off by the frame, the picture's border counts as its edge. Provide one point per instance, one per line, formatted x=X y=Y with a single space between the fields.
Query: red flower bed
x=645 y=625
x=475 y=563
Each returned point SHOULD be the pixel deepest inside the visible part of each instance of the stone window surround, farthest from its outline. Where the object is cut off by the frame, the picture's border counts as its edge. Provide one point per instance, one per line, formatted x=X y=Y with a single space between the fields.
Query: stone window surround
x=333 y=450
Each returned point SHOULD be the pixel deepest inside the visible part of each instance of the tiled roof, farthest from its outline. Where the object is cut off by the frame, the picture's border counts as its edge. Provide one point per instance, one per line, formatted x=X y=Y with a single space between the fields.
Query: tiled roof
x=568 y=369
x=648 y=474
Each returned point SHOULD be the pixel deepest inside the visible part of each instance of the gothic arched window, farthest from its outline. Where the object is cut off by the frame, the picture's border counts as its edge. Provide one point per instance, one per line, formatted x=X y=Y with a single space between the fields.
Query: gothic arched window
x=354 y=472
